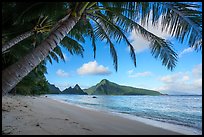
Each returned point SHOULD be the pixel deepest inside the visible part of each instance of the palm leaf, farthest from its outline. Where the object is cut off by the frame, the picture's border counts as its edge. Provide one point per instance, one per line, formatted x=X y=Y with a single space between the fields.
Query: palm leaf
x=163 y=49
x=54 y=56
x=114 y=30
x=92 y=36
x=72 y=46
x=180 y=20
x=41 y=69
x=58 y=51
x=101 y=33
x=78 y=31
x=156 y=41
x=34 y=10
x=49 y=59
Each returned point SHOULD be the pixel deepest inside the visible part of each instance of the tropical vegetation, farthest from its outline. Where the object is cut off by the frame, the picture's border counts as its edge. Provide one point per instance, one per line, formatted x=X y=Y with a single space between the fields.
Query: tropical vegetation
x=50 y=25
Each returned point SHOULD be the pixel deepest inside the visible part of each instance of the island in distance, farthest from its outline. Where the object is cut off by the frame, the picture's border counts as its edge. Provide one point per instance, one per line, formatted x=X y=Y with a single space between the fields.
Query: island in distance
x=104 y=87
x=76 y=90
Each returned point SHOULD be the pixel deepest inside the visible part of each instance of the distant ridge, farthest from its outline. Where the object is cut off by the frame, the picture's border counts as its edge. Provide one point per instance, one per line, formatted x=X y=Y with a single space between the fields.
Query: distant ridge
x=53 y=89
x=106 y=87
x=76 y=90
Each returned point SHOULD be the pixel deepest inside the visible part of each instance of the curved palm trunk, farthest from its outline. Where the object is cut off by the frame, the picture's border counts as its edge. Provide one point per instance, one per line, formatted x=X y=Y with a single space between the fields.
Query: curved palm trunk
x=16 y=40
x=16 y=72
x=25 y=35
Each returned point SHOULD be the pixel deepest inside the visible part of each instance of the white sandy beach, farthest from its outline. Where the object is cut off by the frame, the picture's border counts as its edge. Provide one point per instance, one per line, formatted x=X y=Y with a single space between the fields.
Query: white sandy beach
x=38 y=115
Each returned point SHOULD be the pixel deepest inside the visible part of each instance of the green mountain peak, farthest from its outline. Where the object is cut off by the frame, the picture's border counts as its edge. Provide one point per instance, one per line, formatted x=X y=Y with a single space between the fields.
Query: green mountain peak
x=104 y=81
x=106 y=87
x=77 y=87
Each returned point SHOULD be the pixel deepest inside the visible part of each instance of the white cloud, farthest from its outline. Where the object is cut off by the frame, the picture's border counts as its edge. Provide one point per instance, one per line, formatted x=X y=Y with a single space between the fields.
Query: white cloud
x=181 y=88
x=183 y=82
x=132 y=74
x=197 y=71
x=62 y=73
x=185 y=51
x=169 y=78
x=180 y=76
x=185 y=78
x=198 y=83
x=139 y=43
x=130 y=71
x=93 y=68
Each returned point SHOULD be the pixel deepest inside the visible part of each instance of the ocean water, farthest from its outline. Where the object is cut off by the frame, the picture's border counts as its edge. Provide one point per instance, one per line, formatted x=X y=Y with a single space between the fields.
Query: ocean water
x=185 y=111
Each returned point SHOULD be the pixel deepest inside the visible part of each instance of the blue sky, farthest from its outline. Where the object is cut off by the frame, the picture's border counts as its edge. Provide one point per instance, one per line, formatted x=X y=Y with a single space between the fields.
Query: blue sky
x=186 y=78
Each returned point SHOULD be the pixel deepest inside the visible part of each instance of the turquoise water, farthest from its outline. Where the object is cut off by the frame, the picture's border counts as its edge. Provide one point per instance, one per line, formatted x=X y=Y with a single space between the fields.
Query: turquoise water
x=179 y=110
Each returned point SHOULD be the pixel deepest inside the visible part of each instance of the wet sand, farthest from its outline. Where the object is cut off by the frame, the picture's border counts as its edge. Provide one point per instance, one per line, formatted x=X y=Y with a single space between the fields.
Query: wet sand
x=38 y=115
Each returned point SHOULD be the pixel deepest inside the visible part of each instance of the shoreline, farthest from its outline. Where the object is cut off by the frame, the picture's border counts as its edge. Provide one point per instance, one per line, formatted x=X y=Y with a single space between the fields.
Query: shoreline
x=164 y=125
x=23 y=115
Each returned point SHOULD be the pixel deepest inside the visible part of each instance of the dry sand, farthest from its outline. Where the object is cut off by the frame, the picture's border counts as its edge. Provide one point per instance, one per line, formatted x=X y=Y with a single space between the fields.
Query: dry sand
x=38 y=115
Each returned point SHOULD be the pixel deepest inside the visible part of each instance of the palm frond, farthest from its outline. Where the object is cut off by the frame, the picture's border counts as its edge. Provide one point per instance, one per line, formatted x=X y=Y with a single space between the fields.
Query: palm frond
x=32 y=11
x=183 y=21
x=41 y=69
x=180 y=20
x=49 y=59
x=116 y=32
x=58 y=51
x=101 y=33
x=128 y=9
x=163 y=49
x=93 y=37
x=72 y=46
x=114 y=56
x=54 y=56
x=77 y=33
x=156 y=42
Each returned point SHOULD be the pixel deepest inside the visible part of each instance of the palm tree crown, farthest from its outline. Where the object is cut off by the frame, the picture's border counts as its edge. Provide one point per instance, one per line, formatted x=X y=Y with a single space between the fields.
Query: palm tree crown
x=112 y=20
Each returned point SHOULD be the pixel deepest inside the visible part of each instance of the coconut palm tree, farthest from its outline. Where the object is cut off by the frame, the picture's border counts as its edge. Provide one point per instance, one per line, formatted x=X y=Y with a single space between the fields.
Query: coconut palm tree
x=43 y=25
x=108 y=20
x=23 y=18
x=30 y=21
